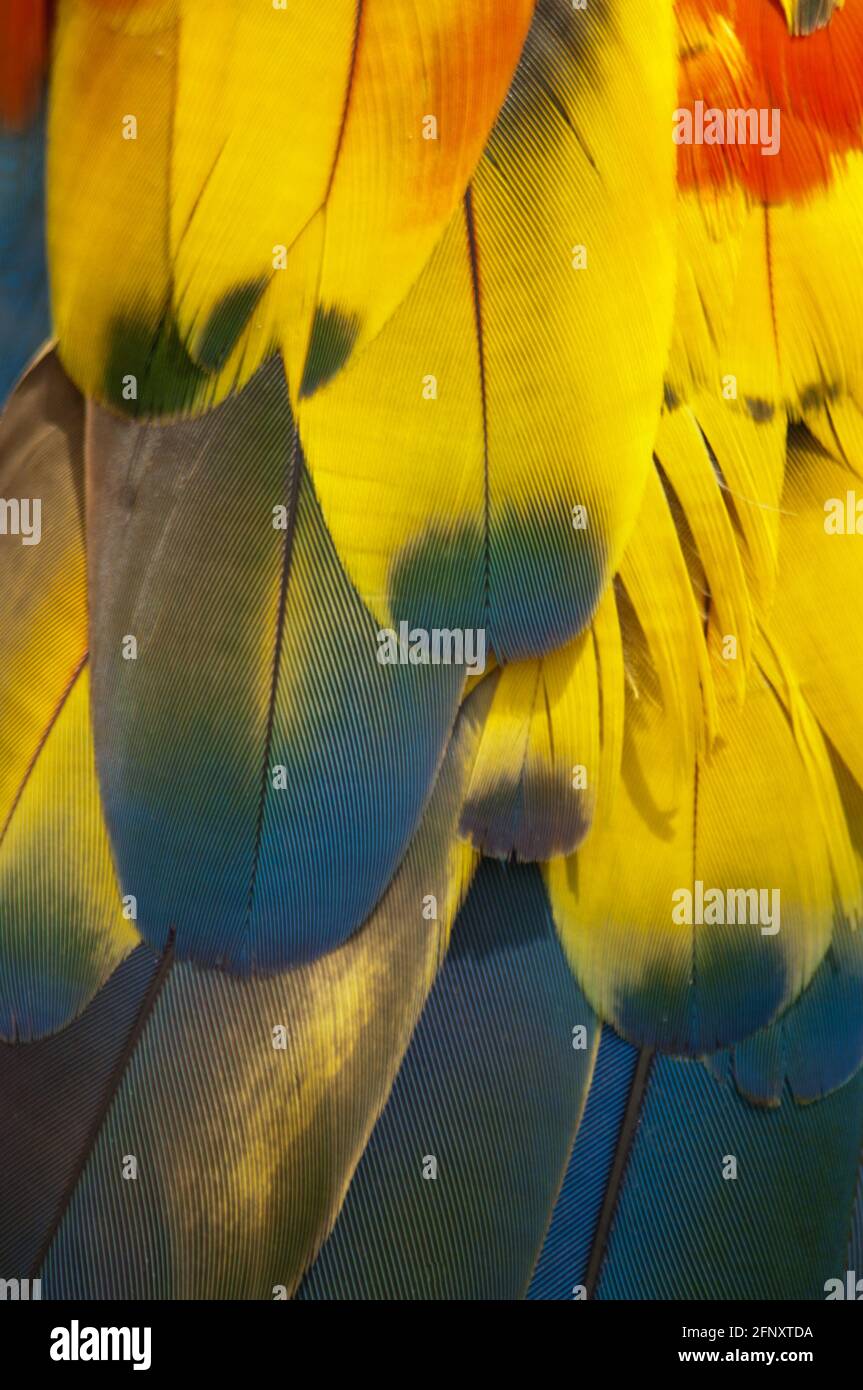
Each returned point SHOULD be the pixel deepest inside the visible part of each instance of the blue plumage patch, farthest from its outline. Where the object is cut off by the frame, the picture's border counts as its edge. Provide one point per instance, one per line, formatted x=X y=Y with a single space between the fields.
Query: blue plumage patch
x=25 y=319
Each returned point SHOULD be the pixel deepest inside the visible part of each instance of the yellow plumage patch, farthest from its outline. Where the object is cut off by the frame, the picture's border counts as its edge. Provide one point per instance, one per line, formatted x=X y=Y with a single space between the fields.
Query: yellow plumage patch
x=682 y=452
x=534 y=781
x=746 y=819
x=197 y=150
x=769 y=297
x=62 y=928
x=654 y=575
x=485 y=455
x=43 y=585
x=818 y=613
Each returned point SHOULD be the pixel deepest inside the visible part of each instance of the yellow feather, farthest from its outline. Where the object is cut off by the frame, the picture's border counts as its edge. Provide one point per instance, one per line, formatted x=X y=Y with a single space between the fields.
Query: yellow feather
x=196 y=150
x=655 y=577
x=683 y=455
x=62 y=928
x=818 y=612
x=521 y=379
x=533 y=785
x=747 y=818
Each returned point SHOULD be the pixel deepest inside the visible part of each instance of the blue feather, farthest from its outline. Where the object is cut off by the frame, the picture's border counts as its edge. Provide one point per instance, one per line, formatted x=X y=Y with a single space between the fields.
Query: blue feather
x=54 y=1095
x=565 y=1257
x=25 y=319
x=492 y=1088
x=778 y=1230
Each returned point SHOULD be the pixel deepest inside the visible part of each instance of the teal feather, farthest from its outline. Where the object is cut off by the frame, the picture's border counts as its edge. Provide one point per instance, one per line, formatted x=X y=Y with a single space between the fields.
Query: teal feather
x=492 y=1090
x=235 y=772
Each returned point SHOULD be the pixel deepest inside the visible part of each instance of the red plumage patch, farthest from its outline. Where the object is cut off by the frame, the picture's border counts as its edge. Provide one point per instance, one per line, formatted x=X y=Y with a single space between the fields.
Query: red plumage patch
x=739 y=53
x=23 y=56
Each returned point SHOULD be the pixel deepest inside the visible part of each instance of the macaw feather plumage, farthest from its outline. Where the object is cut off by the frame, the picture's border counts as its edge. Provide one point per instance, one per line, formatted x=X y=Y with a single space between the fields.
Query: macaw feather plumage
x=402 y=979
x=244 y=176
